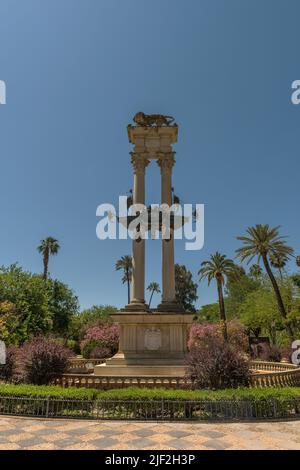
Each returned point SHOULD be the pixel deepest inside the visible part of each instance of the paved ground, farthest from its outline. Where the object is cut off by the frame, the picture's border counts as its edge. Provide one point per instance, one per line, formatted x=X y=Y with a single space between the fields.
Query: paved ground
x=24 y=433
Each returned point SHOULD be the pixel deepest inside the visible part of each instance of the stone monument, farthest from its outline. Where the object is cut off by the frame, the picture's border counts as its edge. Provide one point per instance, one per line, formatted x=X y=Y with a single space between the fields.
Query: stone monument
x=152 y=342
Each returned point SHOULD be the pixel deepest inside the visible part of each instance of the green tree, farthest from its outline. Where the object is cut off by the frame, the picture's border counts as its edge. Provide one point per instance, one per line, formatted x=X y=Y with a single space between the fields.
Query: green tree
x=255 y=271
x=237 y=289
x=218 y=267
x=261 y=242
x=125 y=264
x=153 y=287
x=259 y=312
x=278 y=261
x=296 y=280
x=185 y=288
x=49 y=246
x=27 y=293
x=209 y=313
x=88 y=316
x=63 y=305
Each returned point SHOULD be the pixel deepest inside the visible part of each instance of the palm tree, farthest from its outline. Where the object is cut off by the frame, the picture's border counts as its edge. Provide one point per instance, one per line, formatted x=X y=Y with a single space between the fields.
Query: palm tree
x=298 y=261
x=263 y=241
x=153 y=287
x=125 y=264
x=48 y=246
x=255 y=271
x=218 y=267
x=278 y=261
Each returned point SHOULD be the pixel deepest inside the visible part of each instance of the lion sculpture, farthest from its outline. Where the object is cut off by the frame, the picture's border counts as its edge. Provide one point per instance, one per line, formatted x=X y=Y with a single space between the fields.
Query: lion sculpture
x=142 y=119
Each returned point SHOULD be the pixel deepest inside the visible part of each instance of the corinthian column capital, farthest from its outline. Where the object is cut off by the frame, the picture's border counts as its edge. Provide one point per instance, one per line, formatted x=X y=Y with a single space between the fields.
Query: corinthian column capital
x=166 y=161
x=139 y=162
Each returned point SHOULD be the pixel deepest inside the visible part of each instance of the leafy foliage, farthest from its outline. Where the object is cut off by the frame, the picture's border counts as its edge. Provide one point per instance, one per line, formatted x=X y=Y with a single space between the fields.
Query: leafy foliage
x=263 y=242
x=270 y=353
x=27 y=293
x=48 y=246
x=125 y=264
x=100 y=340
x=216 y=364
x=29 y=306
x=63 y=305
x=218 y=267
x=153 y=287
x=40 y=359
x=82 y=320
x=200 y=334
x=149 y=394
x=209 y=313
x=185 y=288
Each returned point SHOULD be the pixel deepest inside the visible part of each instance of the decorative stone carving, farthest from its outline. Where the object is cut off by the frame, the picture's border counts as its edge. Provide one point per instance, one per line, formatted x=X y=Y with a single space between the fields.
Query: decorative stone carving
x=166 y=161
x=139 y=162
x=153 y=339
x=142 y=119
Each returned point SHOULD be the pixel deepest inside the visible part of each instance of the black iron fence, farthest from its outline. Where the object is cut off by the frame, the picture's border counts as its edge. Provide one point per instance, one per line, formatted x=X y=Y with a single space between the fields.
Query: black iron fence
x=158 y=410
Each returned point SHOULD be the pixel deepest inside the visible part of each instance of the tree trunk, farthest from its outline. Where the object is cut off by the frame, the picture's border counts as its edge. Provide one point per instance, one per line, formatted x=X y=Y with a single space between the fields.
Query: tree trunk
x=222 y=309
x=280 y=304
x=128 y=286
x=46 y=262
x=151 y=298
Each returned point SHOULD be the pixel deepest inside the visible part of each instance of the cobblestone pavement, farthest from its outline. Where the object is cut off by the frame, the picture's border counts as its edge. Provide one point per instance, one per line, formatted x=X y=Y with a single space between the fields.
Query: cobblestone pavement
x=24 y=433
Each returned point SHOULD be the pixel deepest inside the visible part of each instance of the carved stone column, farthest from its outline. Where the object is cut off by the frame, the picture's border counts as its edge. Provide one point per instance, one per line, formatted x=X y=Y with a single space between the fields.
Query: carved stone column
x=166 y=162
x=139 y=163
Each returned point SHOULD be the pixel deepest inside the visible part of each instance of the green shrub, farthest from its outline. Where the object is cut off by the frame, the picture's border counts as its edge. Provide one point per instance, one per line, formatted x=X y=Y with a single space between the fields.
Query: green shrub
x=136 y=394
x=215 y=364
x=40 y=359
x=47 y=390
x=142 y=403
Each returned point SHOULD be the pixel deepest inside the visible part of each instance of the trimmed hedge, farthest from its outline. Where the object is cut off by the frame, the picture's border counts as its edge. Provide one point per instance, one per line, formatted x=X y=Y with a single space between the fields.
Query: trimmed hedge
x=47 y=391
x=137 y=394
x=149 y=404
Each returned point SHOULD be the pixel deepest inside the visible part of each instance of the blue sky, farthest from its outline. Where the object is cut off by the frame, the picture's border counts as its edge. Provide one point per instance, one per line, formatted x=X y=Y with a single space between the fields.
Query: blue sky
x=78 y=70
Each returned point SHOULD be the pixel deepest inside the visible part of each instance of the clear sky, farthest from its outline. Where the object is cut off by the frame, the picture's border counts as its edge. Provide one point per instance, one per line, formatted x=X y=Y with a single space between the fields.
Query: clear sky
x=78 y=70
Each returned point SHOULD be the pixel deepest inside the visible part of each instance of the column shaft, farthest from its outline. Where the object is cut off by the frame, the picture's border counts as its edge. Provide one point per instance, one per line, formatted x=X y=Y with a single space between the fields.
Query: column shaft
x=168 y=266
x=138 y=246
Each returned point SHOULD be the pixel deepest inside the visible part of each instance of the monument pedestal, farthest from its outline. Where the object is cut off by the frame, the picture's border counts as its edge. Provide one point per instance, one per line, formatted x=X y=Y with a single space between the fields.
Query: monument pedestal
x=151 y=344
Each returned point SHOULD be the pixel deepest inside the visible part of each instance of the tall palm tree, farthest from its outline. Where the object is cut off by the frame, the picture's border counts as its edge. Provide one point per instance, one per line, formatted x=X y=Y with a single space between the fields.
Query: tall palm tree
x=278 y=261
x=125 y=264
x=218 y=267
x=153 y=287
x=263 y=241
x=47 y=247
x=255 y=270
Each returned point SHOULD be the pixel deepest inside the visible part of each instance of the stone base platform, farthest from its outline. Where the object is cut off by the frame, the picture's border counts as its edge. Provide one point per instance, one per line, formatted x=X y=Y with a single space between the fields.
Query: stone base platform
x=151 y=344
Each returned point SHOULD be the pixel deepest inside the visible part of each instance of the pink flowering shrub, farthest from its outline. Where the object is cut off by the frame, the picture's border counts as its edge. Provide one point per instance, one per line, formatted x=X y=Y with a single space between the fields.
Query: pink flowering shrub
x=205 y=332
x=100 y=340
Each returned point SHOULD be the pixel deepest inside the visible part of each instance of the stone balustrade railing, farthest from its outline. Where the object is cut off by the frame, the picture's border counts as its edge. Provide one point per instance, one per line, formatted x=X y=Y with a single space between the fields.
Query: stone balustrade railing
x=275 y=379
x=269 y=374
x=272 y=366
x=79 y=364
x=93 y=381
x=289 y=378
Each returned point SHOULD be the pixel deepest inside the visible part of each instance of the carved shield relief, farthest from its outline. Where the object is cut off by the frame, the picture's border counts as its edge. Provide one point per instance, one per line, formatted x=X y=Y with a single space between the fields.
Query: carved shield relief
x=153 y=339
